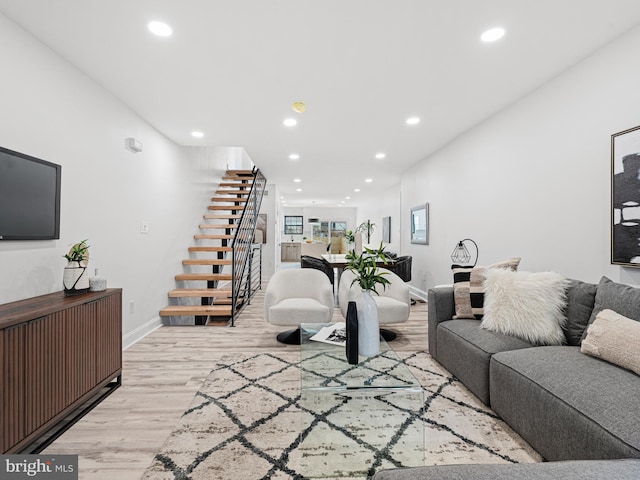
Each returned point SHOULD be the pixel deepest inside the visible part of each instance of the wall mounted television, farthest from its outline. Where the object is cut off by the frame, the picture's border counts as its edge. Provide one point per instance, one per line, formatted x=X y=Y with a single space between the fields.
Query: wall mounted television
x=29 y=197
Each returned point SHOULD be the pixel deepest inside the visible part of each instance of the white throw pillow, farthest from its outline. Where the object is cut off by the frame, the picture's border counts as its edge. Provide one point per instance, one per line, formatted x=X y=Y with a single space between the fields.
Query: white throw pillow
x=526 y=305
x=614 y=338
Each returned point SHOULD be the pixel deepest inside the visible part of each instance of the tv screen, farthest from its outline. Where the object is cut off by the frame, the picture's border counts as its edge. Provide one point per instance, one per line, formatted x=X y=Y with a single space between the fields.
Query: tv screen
x=29 y=197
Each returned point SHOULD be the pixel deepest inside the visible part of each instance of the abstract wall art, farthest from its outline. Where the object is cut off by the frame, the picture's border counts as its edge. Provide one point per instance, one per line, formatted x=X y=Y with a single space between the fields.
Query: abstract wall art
x=625 y=198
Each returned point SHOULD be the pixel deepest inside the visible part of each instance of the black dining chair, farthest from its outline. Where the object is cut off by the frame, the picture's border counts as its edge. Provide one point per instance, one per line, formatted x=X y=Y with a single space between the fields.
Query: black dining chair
x=321 y=264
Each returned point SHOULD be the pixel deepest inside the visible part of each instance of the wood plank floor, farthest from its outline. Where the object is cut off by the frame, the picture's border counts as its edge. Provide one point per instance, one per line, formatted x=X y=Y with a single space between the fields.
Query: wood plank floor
x=161 y=374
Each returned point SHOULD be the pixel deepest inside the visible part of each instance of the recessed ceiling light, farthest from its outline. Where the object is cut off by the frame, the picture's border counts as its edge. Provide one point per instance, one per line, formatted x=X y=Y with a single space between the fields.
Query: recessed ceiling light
x=342 y=201
x=297 y=180
x=347 y=198
x=356 y=189
x=298 y=189
x=160 y=29
x=380 y=155
x=413 y=120
x=492 y=34
x=197 y=134
x=294 y=156
x=368 y=180
x=290 y=122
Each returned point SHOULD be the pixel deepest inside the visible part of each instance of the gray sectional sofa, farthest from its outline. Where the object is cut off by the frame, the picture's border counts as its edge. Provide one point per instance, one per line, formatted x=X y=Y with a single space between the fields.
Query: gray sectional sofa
x=565 y=404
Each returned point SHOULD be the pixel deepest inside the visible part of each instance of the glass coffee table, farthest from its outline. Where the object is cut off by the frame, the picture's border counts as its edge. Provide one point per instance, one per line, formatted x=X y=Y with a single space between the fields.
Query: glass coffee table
x=357 y=419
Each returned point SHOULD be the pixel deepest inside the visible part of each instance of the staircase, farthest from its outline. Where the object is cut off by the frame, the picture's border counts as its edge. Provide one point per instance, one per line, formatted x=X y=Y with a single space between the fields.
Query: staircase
x=226 y=251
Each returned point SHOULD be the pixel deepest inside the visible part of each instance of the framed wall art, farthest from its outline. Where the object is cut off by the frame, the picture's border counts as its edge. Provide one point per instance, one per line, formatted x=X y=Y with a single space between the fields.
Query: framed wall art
x=386 y=229
x=420 y=224
x=625 y=198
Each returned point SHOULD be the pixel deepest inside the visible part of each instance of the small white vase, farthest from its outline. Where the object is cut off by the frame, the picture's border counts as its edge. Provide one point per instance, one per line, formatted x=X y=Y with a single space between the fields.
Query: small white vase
x=97 y=283
x=75 y=279
x=368 y=326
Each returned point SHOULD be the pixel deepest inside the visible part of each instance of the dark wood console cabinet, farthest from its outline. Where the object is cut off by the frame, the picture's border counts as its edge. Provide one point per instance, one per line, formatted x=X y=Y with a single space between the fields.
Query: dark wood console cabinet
x=59 y=357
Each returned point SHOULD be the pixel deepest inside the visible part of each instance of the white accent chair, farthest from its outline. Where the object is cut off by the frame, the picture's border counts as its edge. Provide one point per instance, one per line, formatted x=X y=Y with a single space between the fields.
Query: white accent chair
x=296 y=296
x=393 y=302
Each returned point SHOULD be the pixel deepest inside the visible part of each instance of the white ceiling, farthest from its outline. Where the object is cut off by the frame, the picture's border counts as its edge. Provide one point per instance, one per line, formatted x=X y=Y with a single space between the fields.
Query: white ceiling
x=233 y=68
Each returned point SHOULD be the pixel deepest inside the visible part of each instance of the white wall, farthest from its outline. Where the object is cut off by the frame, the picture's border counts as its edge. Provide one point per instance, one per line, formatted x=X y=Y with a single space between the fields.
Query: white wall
x=534 y=180
x=387 y=204
x=52 y=111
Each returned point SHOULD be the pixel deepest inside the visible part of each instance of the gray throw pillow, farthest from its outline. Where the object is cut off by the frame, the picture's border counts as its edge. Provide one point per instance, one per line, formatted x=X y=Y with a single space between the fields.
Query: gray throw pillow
x=618 y=297
x=581 y=297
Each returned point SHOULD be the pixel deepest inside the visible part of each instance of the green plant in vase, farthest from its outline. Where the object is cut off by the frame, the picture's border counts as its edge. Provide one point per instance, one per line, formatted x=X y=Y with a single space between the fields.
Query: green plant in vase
x=368 y=277
x=365 y=268
x=350 y=237
x=76 y=279
x=366 y=228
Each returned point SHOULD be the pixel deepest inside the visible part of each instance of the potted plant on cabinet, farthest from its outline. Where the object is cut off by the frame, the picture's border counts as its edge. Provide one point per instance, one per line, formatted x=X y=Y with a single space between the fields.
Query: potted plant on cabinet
x=76 y=279
x=368 y=277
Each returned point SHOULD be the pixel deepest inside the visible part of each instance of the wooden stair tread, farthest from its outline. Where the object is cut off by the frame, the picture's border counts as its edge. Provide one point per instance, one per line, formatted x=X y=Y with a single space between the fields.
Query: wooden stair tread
x=233 y=192
x=225 y=301
x=210 y=249
x=240 y=172
x=237 y=184
x=229 y=200
x=200 y=293
x=206 y=261
x=219 y=226
x=213 y=237
x=226 y=207
x=186 y=310
x=213 y=216
x=203 y=276
x=239 y=178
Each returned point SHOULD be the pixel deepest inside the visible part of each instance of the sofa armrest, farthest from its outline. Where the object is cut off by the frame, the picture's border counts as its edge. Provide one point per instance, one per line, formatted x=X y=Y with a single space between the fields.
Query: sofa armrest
x=441 y=307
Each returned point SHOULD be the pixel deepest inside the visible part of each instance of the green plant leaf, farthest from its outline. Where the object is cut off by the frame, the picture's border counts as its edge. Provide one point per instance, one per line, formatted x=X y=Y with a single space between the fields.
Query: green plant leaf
x=365 y=268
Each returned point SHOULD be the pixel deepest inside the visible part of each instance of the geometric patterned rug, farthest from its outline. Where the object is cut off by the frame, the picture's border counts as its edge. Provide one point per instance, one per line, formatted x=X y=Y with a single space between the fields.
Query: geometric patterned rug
x=248 y=421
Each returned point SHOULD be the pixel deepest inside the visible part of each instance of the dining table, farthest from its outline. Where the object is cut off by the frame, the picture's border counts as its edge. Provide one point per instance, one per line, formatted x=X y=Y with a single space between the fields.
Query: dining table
x=339 y=262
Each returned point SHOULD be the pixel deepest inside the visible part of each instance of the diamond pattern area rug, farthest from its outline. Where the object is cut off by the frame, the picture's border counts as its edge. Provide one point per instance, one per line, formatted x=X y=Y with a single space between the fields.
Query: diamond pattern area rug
x=249 y=421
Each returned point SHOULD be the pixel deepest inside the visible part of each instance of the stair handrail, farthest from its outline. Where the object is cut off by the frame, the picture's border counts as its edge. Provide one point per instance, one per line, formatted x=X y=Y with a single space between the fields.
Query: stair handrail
x=243 y=237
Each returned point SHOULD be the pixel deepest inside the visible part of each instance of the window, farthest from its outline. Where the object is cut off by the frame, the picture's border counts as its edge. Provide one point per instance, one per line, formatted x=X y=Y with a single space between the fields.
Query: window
x=293 y=224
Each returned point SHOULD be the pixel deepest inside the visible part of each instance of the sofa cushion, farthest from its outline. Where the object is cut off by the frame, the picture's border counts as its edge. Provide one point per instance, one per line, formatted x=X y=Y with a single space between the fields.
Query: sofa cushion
x=527 y=305
x=391 y=310
x=465 y=350
x=625 y=469
x=618 y=297
x=567 y=405
x=581 y=297
x=614 y=338
x=290 y=311
x=468 y=287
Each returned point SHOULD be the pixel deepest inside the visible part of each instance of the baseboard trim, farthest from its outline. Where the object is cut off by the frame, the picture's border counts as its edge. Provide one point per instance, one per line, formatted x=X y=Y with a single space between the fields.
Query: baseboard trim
x=139 y=333
x=417 y=293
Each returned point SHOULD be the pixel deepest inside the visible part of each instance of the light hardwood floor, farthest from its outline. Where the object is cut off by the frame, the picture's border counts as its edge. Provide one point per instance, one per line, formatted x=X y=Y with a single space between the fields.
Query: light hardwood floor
x=161 y=374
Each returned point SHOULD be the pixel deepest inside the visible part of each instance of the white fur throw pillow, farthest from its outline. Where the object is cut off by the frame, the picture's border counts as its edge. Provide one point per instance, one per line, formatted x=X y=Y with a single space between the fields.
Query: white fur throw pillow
x=614 y=338
x=526 y=305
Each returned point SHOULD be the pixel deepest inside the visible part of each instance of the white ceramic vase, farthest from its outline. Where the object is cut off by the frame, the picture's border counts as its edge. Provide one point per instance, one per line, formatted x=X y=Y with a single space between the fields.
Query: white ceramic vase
x=75 y=279
x=368 y=326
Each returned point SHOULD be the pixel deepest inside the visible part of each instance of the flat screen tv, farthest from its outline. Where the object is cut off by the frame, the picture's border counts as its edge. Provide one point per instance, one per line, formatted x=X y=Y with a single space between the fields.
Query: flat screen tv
x=29 y=197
